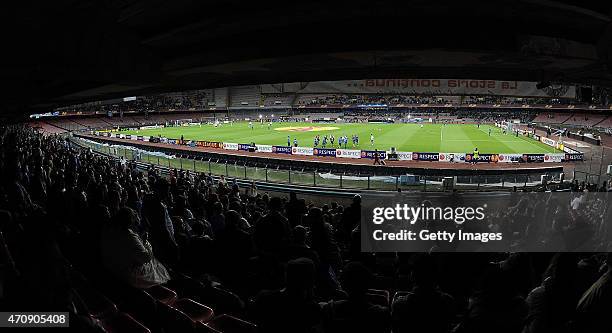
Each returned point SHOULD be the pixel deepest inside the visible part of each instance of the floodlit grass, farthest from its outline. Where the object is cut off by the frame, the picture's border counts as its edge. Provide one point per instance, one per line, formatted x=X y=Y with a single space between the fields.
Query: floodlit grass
x=404 y=137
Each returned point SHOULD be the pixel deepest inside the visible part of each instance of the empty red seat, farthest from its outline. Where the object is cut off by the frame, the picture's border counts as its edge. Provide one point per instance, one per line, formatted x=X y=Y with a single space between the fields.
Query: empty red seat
x=123 y=323
x=173 y=320
x=99 y=306
x=202 y=328
x=162 y=294
x=141 y=306
x=230 y=324
x=194 y=310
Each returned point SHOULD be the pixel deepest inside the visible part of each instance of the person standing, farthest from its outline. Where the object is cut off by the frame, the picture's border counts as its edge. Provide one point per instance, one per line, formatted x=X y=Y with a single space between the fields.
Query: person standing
x=377 y=160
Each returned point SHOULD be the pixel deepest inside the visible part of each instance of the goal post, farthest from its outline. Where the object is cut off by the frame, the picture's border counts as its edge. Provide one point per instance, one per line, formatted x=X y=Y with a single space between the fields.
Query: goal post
x=183 y=122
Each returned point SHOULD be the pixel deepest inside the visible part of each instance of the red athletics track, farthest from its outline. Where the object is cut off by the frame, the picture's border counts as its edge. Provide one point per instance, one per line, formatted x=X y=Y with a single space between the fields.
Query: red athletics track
x=337 y=160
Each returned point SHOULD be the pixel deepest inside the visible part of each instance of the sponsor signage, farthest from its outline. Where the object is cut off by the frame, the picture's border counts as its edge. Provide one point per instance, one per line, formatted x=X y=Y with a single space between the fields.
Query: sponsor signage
x=425 y=157
x=482 y=158
x=555 y=158
x=172 y=141
x=302 y=151
x=140 y=138
x=574 y=157
x=128 y=136
x=548 y=141
x=230 y=146
x=264 y=148
x=452 y=157
x=348 y=153
x=244 y=146
x=209 y=144
x=371 y=153
x=425 y=86
x=533 y=157
x=324 y=152
x=404 y=156
x=509 y=158
x=281 y=149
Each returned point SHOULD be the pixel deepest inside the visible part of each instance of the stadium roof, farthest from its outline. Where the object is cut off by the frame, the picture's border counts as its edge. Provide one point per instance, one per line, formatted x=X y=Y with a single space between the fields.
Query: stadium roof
x=67 y=51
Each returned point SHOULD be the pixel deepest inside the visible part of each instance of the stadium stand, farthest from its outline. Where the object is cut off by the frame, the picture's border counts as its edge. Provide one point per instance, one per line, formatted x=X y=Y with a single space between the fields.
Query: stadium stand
x=552 y=118
x=245 y=97
x=585 y=120
x=279 y=100
x=66 y=124
x=605 y=124
x=46 y=128
x=212 y=257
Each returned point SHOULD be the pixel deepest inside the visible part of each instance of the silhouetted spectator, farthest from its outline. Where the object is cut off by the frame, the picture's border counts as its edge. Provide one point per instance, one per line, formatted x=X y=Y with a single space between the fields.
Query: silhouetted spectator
x=425 y=308
x=357 y=313
x=293 y=308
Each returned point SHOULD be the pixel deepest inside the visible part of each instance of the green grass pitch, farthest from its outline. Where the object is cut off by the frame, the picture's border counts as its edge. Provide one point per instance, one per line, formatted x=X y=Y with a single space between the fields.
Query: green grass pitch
x=404 y=137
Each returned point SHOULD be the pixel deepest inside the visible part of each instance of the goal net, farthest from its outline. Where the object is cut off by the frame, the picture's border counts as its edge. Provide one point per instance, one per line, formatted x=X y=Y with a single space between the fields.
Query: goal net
x=183 y=122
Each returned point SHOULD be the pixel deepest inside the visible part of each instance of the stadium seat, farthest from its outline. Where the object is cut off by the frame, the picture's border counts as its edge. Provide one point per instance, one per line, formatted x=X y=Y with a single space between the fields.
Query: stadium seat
x=142 y=306
x=378 y=297
x=173 y=320
x=99 y=306
x=399 y=293
x=202 y=328
x=195 y=311
x=123 y=323
x=230 y=324
x=381 y=292
x=162 y=294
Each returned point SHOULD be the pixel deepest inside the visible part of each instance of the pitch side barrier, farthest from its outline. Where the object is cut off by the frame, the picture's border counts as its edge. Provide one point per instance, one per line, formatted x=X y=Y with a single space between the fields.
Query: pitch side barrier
x=568 y=155
x=222 y=154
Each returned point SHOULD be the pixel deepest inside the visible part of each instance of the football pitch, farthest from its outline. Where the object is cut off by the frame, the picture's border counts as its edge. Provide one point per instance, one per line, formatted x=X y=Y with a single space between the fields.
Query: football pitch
x=404 y=137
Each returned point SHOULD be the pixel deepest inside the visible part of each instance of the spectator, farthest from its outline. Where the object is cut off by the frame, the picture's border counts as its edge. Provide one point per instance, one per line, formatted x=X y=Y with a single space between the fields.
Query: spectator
x=425 y=308
x=272 y=232
x=291 y=309
x=594 y=306
x=355 y=314
x=129 y=256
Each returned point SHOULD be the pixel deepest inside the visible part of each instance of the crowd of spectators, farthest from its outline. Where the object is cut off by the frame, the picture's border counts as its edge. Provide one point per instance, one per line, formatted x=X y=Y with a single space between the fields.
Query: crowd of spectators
x=70 y=217
x=390 y=99
x=197 y=99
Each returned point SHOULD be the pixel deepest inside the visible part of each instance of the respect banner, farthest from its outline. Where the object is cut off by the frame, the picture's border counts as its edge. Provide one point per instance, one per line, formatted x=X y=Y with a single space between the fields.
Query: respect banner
x=324 y=152
x=348 y=153
x=302 y=151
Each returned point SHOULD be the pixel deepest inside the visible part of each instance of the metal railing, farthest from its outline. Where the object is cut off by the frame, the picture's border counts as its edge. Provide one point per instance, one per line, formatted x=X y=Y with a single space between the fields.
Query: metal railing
x=318 y=178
